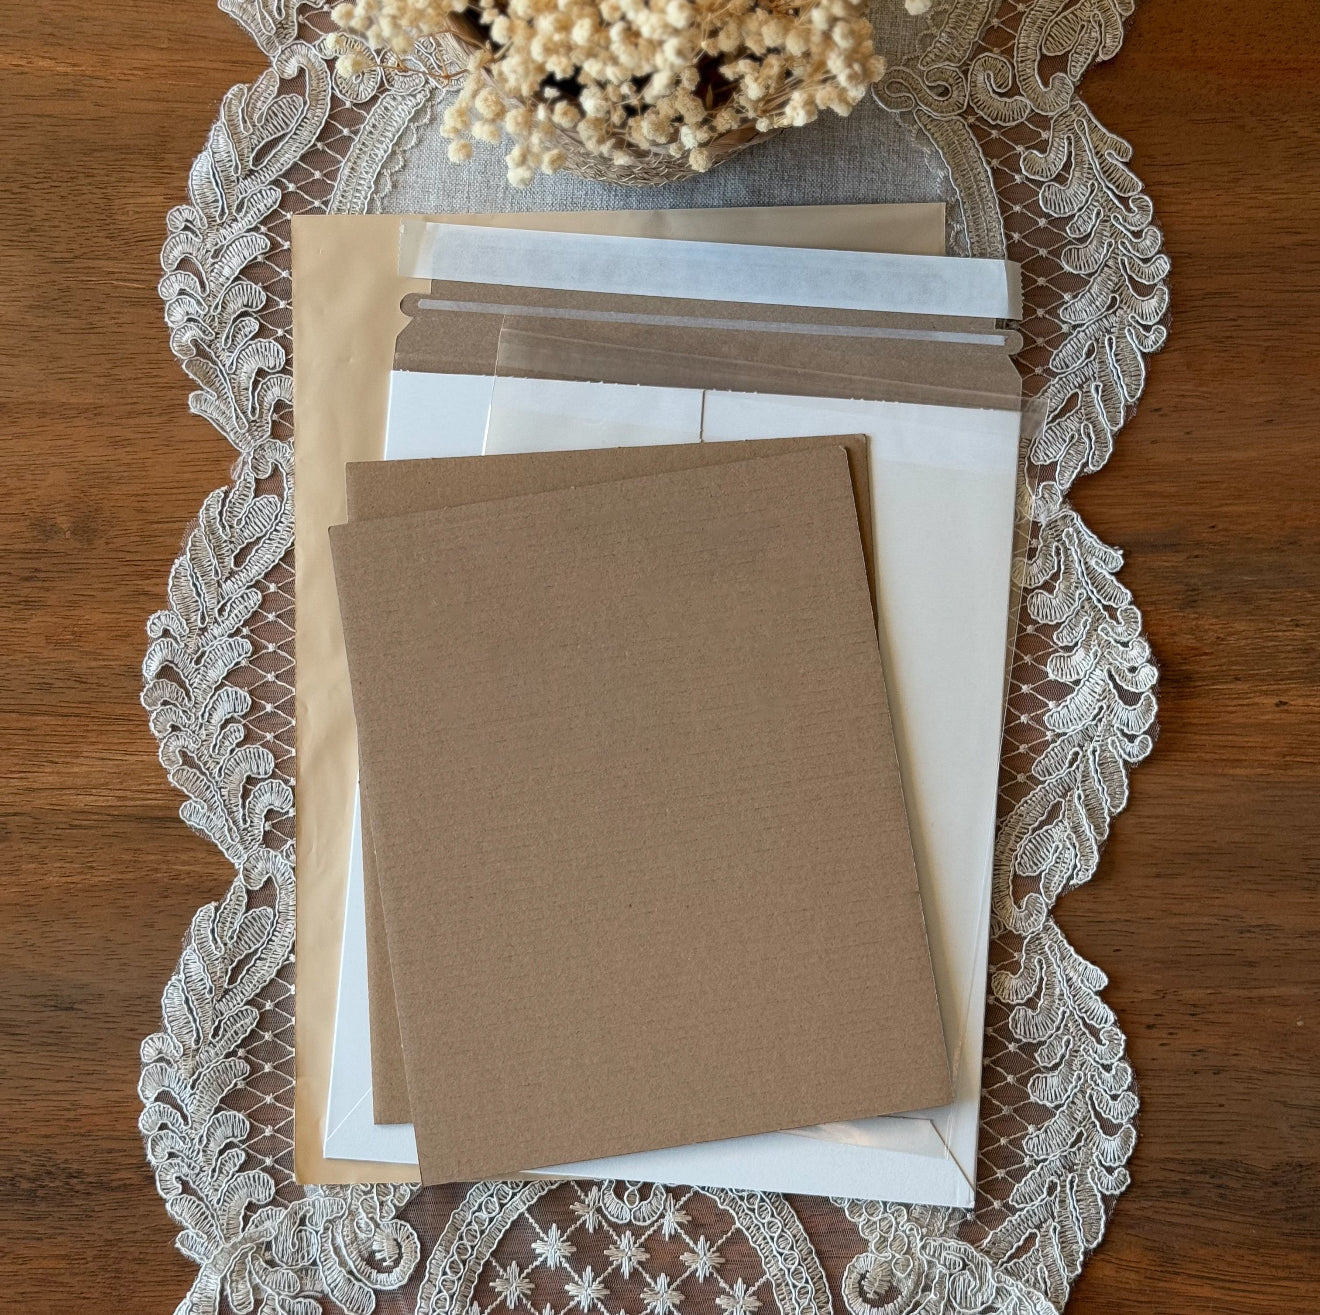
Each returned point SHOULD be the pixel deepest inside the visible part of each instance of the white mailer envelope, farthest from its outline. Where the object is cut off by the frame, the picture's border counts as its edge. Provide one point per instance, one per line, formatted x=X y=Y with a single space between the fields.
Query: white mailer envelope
x=943 y=487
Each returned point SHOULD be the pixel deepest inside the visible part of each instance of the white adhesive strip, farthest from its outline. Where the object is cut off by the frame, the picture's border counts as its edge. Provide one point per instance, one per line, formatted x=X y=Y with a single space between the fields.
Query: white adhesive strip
x=715 y=271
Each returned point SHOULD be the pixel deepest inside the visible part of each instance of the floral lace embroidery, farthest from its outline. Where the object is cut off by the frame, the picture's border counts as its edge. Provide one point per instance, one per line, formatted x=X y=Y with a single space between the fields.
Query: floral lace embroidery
x=993 y=85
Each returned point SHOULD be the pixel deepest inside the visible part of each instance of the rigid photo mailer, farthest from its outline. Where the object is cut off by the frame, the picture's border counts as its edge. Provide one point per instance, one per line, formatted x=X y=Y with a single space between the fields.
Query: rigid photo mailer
x=945 y=607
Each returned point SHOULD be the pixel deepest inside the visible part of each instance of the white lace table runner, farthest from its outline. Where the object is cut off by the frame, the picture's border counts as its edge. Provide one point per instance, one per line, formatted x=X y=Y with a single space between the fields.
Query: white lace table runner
x=987 y=117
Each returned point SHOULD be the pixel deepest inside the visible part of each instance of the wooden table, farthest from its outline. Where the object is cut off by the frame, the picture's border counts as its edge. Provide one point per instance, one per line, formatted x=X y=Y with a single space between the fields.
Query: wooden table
x=1205 y=910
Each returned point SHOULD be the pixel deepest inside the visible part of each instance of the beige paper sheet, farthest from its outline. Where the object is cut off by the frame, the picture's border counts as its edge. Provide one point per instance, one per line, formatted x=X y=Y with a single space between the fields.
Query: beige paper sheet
x=346 y=294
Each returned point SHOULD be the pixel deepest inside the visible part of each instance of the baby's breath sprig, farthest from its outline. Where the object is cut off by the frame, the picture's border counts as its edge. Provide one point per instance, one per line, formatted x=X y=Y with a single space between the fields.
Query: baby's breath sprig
x=631 y=80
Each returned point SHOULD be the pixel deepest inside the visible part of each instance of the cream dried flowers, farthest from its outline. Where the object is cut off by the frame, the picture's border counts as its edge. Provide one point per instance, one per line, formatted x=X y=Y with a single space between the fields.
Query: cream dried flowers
x=631 y=80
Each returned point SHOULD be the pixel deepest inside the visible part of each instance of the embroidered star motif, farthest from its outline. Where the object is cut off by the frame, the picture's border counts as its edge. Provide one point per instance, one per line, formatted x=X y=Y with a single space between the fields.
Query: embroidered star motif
x=586 y=1290
x=703 y=1259
x=511 y=1284
x=629 y=1253
x=738 y=1301
x=554 y=1248
x=588 y=1210
x=672 y=1218
x=662 y=1297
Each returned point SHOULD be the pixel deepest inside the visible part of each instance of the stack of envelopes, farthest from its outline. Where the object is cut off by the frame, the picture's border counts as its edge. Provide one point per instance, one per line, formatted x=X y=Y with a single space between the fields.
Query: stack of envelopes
x=634 y=808
x=677 y=743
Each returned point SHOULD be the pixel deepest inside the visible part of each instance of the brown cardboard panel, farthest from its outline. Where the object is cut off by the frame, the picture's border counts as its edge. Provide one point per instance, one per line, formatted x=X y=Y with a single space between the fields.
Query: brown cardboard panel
x=638 y=822
x=396 y=488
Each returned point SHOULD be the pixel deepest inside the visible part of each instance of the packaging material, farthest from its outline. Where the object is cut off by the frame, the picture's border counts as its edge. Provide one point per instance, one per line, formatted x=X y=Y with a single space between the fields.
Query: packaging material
x=655 y=712
x=346 y=306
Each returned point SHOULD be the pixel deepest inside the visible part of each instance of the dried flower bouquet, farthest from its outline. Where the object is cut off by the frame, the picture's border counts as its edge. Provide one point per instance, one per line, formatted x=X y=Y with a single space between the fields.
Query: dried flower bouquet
x=631 y=90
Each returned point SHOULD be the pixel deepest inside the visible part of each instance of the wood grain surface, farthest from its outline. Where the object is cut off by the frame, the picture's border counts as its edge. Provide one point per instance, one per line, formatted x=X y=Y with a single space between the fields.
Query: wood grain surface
x=1204 y=913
